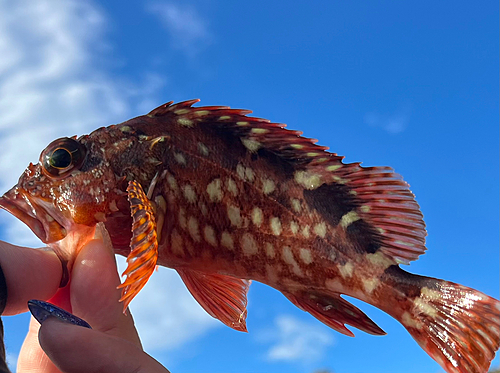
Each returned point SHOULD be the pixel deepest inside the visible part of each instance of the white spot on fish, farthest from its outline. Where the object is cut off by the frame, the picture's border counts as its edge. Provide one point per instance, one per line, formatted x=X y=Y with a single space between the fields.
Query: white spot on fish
x=233 y=212
x=288 y=258
x=296 y=205
x=249 y=174
x=181 y=111
x=231 y=187
x=201 y=113
x=227 y=240
x=209 y=234
x=349 y=218
x=409 y=321
x=224 y=117
x=125 y=129
x=179 y=158
x=214 y=190
x=379 y=259
x=268 y=186
x=270 y=250
x=251 y=144
x=305 y=255
x=240 y=171
x=365 y=209
x=320 y=229
x=275 y=224
x=193 y=229
x=259 y=130
x=248 y=244
x=370 y=284
x=424 y=307
x=185 y=122
x=202 y=148
x=242 y=124
x=189 y=193
x=294 y=227
x=333 y=167
x=346 y=270
x=172 y=183
x=432 y=295
x=257 y=216
x=307 y=180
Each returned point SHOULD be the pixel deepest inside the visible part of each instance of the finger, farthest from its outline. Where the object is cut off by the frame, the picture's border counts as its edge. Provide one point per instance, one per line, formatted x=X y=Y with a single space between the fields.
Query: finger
x=32 y=359
x=94 y=294
x=74 y=349
x=29 y=274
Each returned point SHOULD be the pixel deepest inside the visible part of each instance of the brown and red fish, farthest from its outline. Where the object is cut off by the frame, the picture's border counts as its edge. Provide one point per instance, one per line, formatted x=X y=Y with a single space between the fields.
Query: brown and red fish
x=224 y=198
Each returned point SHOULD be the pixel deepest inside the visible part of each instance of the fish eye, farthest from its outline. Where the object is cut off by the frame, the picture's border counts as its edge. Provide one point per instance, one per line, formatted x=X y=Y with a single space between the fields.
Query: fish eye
x=60 y=159
x=62 y=155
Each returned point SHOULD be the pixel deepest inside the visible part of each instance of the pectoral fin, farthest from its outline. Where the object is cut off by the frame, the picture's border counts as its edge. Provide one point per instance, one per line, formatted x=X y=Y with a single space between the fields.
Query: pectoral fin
x=144 y=244
x=223 y=297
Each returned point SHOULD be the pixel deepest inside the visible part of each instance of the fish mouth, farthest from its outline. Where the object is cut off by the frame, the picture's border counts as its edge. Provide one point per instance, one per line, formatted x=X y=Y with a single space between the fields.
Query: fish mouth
x=46 y=228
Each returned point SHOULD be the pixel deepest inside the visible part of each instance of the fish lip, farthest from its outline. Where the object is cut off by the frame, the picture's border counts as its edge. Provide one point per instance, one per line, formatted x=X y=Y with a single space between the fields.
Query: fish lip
x=17 y=202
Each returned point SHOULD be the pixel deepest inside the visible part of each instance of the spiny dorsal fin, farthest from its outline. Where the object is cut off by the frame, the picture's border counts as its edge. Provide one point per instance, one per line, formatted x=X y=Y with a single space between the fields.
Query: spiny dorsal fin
x=381 y=198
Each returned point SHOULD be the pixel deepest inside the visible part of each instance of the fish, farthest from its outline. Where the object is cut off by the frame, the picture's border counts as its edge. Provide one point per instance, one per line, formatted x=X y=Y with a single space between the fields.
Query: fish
x=225 y=198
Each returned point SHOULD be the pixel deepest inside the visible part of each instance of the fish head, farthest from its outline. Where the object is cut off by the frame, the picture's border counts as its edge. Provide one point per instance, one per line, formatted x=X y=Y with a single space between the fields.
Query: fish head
x=71 y=186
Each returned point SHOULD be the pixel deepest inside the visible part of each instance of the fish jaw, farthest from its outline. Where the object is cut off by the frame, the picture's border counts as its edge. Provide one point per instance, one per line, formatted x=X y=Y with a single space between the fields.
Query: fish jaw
x=43 y=224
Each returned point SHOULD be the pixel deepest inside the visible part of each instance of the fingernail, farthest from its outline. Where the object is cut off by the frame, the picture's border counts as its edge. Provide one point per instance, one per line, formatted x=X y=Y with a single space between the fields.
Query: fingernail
x=41 y=311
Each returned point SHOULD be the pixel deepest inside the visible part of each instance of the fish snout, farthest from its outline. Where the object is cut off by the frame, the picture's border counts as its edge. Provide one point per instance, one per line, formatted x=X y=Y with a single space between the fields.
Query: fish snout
x=45 y=227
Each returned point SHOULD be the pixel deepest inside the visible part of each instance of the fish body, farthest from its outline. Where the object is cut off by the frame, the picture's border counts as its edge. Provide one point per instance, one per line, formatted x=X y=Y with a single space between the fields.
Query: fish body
x=224 y=198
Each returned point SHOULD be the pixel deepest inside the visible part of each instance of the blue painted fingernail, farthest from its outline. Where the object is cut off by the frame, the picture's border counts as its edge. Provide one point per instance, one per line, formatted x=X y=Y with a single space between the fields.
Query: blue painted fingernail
x=41 y=311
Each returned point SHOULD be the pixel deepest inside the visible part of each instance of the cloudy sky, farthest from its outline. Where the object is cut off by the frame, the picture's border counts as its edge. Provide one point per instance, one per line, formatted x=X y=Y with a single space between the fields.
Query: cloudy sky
x=413 y=85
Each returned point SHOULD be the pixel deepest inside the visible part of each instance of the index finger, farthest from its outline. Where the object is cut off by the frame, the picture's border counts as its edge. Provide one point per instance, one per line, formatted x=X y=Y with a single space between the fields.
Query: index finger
x=29 y=274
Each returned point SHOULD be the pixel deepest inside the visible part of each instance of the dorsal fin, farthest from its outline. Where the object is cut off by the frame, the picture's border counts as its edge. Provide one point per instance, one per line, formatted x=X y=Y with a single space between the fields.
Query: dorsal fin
x=381 y=198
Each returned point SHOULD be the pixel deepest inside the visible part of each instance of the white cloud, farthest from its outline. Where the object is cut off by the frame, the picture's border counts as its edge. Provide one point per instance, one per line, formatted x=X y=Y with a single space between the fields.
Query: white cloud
x=53 y=84
x=394 y=123
x=11 y=361
x=297 y=341
x=189 y=32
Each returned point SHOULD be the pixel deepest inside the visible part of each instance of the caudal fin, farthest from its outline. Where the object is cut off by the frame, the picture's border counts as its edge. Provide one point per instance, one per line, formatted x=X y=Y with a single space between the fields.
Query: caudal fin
x=457 y=326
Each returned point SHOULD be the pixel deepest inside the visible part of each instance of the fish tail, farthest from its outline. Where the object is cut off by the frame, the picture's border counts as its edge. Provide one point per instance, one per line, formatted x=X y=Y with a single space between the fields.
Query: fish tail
x=457 y=326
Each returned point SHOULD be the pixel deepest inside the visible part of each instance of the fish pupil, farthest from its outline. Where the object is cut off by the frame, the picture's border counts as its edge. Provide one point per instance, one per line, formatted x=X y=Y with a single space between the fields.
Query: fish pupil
x=61 y=158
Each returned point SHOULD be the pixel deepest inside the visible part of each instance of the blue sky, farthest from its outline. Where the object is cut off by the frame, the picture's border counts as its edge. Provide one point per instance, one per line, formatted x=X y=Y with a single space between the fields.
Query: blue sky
x=412 y=85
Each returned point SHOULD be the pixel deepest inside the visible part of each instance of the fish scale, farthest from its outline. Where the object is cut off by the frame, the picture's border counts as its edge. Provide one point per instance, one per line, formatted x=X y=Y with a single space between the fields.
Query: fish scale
x=224 y=198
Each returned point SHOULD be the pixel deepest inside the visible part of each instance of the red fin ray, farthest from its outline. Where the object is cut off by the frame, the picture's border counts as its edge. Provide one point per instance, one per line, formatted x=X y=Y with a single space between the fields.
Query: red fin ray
x=223 y=297
x=144 y=244
x=334 y=311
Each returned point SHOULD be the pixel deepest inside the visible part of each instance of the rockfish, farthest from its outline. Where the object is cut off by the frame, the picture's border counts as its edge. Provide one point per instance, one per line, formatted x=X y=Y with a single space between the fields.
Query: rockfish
x=224 y=198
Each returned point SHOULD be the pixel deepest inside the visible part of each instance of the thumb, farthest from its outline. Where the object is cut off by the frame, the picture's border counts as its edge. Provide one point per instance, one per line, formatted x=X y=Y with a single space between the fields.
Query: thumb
x=74 y=349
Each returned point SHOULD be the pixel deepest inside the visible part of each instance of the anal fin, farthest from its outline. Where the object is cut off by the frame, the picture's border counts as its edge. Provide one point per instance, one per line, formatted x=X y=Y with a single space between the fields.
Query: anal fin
x=144 y=244
x=223 y=297
x=334 y=312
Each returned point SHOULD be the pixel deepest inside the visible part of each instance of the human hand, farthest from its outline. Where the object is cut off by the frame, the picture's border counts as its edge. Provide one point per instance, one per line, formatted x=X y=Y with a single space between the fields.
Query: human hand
x=111 y=346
